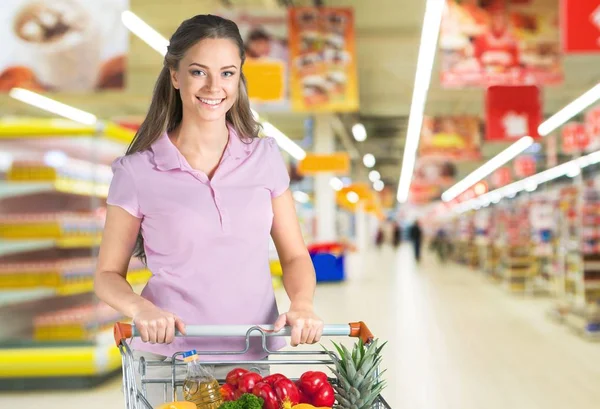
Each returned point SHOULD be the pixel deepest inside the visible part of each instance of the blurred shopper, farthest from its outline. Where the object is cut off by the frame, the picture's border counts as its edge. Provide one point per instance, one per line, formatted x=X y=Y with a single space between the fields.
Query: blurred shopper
x=397 y=234
x=416 y=236
x=196 y=197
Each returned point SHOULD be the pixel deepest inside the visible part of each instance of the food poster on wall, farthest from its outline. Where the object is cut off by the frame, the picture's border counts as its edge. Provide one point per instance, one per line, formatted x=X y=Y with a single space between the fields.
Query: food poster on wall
x=323 y=59
x=265 y=36
x=455 y=138
x=63 y=45
x=486 y=42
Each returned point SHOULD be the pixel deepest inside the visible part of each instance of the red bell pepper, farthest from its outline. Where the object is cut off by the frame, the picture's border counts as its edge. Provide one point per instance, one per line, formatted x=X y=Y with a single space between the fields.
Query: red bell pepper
x=227 y=392
x=265 y=391
x=234 y=375
x=325 y=397
x=247 y=381
x=271 y=379
x=286 y=390
x=311 y=382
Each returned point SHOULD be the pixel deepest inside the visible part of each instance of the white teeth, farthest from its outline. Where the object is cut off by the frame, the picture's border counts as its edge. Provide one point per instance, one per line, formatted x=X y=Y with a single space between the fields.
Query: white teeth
x=211 y=101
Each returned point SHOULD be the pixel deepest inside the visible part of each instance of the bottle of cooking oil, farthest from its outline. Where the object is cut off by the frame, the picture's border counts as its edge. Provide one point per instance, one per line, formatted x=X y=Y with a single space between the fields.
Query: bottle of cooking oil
x=200 y=387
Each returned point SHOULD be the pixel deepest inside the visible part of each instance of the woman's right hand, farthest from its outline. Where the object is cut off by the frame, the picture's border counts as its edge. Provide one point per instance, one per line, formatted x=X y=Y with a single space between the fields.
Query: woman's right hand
x=157 y=326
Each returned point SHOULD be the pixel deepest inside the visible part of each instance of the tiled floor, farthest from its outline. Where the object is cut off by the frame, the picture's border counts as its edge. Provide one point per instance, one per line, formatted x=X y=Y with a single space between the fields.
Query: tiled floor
x=455 y=342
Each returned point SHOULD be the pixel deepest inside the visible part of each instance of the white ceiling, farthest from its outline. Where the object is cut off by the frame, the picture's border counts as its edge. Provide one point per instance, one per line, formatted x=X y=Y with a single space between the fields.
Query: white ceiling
x=387 y=36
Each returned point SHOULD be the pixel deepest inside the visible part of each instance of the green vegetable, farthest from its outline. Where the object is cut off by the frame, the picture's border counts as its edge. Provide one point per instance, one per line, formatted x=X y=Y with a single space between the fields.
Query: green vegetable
x=246 y=401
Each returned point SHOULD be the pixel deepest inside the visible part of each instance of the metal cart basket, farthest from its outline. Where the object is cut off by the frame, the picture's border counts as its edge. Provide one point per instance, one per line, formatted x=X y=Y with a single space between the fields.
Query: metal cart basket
x=137 y=399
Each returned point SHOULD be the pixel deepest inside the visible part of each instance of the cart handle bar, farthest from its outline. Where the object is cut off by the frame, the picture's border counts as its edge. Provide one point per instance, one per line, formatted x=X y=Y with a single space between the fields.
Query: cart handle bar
x=123 y=331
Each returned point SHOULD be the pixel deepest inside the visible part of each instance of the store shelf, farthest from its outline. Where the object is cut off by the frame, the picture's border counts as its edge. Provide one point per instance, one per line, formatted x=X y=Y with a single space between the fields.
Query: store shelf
x=38 y=128
x=58 y=362
x=9 y=296
x=59 y=185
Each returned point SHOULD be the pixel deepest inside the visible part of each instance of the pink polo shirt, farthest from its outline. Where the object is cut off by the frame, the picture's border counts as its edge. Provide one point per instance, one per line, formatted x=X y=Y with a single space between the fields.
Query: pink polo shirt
x=206 y=241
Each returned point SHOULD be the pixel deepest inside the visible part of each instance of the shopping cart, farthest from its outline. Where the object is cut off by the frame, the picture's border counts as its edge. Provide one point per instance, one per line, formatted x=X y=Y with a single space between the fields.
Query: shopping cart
x=136 y=399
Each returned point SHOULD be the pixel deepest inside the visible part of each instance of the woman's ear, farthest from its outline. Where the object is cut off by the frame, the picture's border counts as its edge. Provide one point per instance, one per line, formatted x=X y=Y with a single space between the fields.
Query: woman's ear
x=174 y=79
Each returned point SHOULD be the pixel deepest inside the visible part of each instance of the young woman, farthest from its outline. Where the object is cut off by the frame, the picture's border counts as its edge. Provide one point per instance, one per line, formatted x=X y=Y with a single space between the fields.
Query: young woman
x=197 y=196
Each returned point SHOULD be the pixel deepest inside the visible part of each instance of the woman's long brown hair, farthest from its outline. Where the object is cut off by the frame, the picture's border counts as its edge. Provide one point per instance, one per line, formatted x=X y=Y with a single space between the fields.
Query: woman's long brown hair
x=166 y=110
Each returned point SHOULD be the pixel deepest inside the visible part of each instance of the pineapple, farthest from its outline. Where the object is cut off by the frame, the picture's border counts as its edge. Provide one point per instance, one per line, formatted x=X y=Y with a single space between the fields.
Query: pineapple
x=357 y=386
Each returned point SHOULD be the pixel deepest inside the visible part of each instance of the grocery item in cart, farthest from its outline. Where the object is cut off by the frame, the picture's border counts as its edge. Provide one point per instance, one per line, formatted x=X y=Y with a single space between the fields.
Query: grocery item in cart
x=199 y=386
x=358 y=380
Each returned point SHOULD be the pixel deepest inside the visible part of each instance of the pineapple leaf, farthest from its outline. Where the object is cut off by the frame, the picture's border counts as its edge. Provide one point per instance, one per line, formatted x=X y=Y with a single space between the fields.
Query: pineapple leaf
x=340 y=351
x=378 y=350
x=343 y=401
x=350 y=368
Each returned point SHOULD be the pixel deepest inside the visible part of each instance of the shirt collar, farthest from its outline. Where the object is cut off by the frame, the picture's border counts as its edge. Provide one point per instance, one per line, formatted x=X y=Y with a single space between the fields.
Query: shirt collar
x=167 y=156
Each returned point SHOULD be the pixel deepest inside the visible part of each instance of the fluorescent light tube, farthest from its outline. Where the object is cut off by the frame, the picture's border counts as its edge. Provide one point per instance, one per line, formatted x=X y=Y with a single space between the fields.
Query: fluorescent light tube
x=146 y=33
x=427 y=49
x=487 y=168
x=286 y=143
x=50 y=105
x=568 y=112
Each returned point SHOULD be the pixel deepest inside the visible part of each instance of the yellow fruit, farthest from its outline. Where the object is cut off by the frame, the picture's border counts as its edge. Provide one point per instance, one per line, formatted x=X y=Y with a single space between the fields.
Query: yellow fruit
x=307 y=406
x=178 y=405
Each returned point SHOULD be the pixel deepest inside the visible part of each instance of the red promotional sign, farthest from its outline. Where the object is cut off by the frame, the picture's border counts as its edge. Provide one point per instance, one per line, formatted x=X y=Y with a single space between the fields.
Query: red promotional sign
x=580 y=21
x=501 y=177
x=592 y=127
x=512 y=112
x=525 y=166
x=574 y=137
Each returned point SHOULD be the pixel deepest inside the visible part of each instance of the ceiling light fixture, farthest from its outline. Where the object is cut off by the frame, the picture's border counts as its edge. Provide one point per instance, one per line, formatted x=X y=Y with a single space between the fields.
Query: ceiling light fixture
x=569 y=111
x=374 y=176
x=50 y=105
x=427 y=49
x=531 y=183
x=378 y=185
x=359 y=132
x=336 y=184
x=487 y=168
x=286 y=143
x=146 y=33
x=352 y=197
x=369 y=160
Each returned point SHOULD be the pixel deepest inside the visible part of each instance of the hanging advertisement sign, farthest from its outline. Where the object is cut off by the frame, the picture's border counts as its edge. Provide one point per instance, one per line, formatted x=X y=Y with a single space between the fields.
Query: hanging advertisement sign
x=592 y=128
x=63 y=45
x=265 y=35
x=525 y=165
x=323 y=59
x=580 y=26
x=512 y=112
x=574 y=138
x=499 y=42
x=451 y=138
x=431 y=176
x=501 y=177
x=551 y=151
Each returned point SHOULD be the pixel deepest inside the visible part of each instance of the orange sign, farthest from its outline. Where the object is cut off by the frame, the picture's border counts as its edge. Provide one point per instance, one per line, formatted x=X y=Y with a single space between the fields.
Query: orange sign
x=319 y=163
x=322 y=59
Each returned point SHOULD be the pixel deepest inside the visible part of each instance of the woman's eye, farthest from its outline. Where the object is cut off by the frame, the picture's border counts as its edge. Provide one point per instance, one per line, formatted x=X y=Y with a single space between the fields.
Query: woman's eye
x=228 y=74
x=196 y=73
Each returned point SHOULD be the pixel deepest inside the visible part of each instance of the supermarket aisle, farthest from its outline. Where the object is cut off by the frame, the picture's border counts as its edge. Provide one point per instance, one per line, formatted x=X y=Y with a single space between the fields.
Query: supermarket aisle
x=455 y=342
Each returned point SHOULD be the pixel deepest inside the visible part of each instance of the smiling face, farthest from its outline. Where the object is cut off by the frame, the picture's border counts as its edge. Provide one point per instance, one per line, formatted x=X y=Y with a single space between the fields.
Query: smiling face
x=208 y=78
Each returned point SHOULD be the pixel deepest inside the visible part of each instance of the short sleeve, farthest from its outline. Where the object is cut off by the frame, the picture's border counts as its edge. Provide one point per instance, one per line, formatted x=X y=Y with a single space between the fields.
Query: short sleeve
x=280 y=176
x=122 y=191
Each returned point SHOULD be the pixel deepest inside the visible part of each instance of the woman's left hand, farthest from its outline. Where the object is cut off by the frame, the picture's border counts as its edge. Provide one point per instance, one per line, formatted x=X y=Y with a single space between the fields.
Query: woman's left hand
x=307 y=327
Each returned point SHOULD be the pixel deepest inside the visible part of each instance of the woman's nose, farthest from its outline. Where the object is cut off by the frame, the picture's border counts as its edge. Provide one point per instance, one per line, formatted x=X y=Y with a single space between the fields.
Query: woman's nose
x=212 y=83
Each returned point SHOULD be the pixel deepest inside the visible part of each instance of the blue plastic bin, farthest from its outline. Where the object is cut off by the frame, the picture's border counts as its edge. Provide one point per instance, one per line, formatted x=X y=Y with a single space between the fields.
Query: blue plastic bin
x=328 y=267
